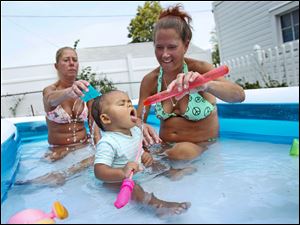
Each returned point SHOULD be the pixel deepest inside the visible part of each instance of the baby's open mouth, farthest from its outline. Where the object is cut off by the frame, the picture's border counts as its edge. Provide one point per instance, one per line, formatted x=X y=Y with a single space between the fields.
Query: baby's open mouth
x=133 y=116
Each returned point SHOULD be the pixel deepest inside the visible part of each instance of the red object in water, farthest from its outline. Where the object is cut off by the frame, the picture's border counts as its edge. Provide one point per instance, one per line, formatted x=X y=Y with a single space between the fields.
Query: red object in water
x=210 y=75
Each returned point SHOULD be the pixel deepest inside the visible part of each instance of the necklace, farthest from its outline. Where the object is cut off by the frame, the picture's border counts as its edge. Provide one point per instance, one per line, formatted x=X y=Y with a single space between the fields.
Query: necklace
x=74 y=122
x=173 y=103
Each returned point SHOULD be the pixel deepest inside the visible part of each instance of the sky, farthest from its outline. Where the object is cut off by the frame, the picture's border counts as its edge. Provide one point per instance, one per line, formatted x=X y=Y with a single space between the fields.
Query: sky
x=32 y=31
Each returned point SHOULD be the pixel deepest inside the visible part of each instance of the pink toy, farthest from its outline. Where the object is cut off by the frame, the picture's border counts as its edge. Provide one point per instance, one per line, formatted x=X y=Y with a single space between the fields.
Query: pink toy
x=30 y=216
x=210 y=75
x=127 y=187
x=125 y=193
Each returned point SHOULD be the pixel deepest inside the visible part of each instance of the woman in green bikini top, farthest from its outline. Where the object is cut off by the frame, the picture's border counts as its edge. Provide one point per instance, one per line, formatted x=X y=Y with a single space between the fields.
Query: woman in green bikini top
x=191 y=120
x=198 y=107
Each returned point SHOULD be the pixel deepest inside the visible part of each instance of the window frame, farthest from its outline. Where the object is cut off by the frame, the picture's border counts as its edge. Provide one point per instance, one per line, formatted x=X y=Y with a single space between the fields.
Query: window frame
x=275 y=15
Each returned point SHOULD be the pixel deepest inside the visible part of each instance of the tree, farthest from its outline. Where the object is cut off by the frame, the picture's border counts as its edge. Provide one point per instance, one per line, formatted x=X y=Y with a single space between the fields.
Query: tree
x=215 y=47
x=102 y=85
x=141 y=27
x=76 y=43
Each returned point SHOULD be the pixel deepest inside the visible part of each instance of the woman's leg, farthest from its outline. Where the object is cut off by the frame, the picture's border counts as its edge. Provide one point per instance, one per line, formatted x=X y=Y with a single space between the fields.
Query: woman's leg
x=57 y=178
x=58 y=152
x=177 y=152
x=185 y=151
x=50 y=179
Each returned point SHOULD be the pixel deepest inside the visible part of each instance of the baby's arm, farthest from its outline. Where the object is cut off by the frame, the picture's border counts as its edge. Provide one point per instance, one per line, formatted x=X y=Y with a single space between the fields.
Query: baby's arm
x=109 y=174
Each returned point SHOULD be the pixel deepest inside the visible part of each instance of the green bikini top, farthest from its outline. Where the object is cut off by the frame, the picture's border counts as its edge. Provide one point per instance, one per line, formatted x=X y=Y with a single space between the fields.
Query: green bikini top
x=198 y=107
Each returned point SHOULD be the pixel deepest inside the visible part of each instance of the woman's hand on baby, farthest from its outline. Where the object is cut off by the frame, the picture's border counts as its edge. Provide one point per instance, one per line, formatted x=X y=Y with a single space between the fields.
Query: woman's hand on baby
x=147 y=159
x=76 y=89
x=130 y=166
x=182 y=84
x=150 y=135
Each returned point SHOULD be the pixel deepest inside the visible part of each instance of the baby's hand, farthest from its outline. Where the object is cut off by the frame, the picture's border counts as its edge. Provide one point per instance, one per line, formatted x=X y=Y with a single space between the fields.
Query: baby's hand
x=147 y=159
x=130 y=166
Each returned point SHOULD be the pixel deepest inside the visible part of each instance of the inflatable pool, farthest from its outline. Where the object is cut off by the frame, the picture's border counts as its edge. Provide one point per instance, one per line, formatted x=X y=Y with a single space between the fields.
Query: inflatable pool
x=248 y=176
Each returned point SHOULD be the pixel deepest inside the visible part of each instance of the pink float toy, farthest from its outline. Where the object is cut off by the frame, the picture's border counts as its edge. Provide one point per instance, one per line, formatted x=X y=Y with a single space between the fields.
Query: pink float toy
x=127 y=186
x=30 y=216
x=210 y=75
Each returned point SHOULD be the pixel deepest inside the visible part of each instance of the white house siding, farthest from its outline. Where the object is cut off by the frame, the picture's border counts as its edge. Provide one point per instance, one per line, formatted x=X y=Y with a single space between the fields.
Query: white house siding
x=242 y=25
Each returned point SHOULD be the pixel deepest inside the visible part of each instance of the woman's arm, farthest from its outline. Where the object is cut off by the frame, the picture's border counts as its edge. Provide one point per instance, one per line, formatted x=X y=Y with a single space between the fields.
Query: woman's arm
x=220 y=88
x=226 y=90
x=53 y=97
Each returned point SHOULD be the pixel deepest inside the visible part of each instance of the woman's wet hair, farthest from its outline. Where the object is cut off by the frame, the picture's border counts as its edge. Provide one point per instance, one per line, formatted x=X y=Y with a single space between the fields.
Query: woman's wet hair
x=60 y=52
x=174 y=17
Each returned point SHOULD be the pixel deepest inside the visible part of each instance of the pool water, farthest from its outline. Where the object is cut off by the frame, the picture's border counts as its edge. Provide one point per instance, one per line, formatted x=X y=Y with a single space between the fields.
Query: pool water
x=238 y=181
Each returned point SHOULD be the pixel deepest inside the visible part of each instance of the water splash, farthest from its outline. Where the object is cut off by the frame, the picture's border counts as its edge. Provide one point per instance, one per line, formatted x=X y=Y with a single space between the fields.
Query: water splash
x=92 y=135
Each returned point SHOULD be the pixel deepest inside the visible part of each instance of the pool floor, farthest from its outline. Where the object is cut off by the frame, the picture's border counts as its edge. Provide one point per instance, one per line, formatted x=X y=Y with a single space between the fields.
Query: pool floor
x=237 y=181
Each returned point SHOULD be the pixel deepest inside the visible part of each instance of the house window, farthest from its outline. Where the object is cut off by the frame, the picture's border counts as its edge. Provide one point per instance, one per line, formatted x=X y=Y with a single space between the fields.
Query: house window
x=290 y=26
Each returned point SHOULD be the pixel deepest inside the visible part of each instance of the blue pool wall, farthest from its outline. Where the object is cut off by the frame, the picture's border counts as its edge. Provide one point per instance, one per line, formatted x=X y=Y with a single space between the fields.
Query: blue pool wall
x=9 y=159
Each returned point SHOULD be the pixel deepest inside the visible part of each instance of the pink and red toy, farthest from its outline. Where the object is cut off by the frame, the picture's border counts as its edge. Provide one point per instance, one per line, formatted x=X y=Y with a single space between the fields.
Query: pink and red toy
x=36 y=216
x=127 y=186
x=210 y=75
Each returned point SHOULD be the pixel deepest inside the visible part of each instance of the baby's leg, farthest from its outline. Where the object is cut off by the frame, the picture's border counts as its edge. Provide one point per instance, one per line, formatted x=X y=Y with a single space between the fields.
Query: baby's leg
x=162 y=208
x=185 y=151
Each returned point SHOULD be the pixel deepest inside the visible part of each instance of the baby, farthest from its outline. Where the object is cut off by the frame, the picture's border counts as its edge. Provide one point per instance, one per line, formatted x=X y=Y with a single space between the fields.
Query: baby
x=117 y=149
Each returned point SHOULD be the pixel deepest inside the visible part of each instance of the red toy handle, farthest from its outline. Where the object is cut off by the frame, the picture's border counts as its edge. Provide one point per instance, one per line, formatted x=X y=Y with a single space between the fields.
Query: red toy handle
x=210 y=75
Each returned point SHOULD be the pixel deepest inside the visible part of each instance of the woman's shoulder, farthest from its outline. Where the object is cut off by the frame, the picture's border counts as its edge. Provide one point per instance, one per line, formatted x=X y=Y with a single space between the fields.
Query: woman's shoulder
x=51 y=87
x=151 y=76
x=149 y=82
x=198 y=65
